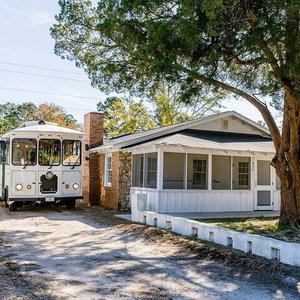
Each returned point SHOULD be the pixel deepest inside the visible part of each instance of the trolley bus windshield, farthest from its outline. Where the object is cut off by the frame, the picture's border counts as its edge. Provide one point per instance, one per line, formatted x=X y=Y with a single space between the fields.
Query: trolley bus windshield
x=71 y=153
x=49 y=152
x=24 y=152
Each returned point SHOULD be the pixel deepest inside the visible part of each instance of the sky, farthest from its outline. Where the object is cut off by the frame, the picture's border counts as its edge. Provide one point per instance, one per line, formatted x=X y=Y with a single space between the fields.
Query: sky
x=26 y=41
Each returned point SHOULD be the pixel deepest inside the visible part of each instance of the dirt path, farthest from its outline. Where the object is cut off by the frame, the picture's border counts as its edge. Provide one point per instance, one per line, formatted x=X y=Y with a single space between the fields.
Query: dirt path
x=87 y=254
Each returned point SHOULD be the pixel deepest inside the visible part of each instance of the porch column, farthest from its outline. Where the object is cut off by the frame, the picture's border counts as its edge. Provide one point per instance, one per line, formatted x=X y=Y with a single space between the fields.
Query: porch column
x=209 y=172
x=160 y=167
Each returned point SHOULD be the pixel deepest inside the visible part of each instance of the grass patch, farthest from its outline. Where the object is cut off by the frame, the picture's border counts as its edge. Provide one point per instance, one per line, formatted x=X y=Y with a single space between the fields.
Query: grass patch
x=261 y=226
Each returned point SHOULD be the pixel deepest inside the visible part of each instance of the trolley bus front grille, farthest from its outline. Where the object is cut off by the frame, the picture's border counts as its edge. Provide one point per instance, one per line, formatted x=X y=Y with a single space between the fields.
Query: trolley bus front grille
x=48 y=186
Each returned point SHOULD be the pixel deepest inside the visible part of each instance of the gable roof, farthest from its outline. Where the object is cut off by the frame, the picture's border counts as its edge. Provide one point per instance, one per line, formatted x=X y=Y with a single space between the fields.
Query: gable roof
x=126 y=141
x=214 y=141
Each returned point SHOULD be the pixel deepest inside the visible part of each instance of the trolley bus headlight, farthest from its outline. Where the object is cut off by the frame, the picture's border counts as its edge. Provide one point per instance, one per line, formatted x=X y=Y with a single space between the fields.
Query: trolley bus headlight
x=75 y=186
x=49 y=175
x=19 y=186
x=29 y=186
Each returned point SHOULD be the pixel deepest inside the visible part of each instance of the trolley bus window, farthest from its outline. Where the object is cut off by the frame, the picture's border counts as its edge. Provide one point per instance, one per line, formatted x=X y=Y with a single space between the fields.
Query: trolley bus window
x=24 y=152
x=49 y=152
x=71 y=153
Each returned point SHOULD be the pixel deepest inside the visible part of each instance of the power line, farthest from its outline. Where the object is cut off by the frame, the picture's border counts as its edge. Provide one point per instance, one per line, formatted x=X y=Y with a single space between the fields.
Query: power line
x=41 y=75
x=27 y=50
x=47 y=93
x=40 y=68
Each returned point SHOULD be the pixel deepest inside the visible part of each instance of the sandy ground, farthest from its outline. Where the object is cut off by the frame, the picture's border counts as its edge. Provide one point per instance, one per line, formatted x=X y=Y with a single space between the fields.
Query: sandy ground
x=88 y=254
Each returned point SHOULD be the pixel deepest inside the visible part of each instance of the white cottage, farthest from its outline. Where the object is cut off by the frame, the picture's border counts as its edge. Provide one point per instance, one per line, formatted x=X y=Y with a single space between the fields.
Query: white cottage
x=219 y=163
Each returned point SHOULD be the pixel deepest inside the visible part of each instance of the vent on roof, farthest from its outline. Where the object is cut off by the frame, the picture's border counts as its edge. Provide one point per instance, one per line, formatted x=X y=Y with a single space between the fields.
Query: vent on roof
x=225 y=124
x=42 y=122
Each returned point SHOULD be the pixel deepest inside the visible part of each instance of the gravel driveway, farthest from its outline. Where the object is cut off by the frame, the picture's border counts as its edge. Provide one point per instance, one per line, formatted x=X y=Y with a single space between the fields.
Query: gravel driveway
x=88 y=254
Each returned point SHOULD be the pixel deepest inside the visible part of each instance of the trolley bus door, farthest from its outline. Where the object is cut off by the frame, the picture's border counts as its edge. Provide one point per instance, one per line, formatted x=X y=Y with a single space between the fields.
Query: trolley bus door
x=2 y=170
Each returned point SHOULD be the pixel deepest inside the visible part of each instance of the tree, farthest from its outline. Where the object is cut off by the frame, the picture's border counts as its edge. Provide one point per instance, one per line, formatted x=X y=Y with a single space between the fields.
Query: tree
x=162 y=108
x=13 y=115
x=170 y=108
x=54 y=113
x=124 y=116
x=246 y=48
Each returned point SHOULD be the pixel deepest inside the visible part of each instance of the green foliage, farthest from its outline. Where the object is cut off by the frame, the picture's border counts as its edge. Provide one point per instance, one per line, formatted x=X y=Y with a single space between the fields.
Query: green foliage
x=133 y=45
x=162 y=108
x=124 y=116
x=13 y=115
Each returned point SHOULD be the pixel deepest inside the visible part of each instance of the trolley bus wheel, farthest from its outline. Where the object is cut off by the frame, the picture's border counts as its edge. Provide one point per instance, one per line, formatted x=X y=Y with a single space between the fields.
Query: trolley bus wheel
x=6 y=196
x=13 y=206
x=71 y=204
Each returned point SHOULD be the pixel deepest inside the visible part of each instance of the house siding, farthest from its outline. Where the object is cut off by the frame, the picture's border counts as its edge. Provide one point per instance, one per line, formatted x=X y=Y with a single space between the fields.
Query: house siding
x=116 y=196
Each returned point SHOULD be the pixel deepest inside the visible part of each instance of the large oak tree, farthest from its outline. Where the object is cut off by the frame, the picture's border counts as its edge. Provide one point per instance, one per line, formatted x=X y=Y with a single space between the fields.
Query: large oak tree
x=243 y=47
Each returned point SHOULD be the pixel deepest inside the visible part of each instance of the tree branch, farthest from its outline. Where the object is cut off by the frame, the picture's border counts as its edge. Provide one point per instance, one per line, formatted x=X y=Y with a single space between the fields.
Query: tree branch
x=267 y=51
x=263 y=109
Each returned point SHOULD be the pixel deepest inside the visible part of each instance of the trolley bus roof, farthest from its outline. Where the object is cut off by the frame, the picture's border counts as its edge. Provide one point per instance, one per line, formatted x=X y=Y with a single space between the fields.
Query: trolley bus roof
x=47 y=127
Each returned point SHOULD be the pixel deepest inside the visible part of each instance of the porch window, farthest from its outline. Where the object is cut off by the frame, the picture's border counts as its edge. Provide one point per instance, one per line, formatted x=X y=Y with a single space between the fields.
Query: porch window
x=241 y=173
x=151 y=167
x=221 y=172
x=144 y=170
x=174 y=170
x=197 y=171
x=138 y=170
x=108 y=170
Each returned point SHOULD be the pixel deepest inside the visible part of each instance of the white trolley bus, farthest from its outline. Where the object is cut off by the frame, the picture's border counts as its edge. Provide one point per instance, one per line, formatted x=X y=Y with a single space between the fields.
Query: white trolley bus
x=41 y=162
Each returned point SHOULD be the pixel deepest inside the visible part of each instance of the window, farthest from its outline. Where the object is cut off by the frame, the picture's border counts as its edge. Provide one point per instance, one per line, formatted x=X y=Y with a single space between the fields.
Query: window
x=151 y=167
x=108 y=170
x=49 y=152
x=174 y=170
x=221 y=172
x=225 y=124
x=241 y=173
x=197 y=171
x=144 y=170
x=138 y=170
x=24 y=152
x=71 y=153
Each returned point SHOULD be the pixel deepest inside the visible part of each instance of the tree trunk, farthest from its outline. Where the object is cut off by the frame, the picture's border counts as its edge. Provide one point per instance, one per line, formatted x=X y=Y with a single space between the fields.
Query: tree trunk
x=286 y=163
x=290 y=196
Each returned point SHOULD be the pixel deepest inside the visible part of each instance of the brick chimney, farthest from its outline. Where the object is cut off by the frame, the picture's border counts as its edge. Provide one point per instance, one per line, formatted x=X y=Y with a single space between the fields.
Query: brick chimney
x=93 y=137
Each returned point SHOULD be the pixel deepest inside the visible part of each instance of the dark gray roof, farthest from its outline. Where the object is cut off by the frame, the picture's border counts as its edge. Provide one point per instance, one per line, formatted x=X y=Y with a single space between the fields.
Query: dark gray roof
x=215 y=140
x=126 y=141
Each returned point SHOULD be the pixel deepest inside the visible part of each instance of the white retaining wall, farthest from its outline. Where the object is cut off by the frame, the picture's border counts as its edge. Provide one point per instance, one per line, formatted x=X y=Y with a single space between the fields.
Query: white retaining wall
x=288 y=253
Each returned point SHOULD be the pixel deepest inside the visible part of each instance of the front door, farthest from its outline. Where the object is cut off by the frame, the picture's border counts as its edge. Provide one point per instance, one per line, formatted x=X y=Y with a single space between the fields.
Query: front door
x=263 y=189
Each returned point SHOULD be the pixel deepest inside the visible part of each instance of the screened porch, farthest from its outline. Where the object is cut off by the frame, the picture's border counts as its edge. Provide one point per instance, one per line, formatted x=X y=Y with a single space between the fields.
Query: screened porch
x=205 y=181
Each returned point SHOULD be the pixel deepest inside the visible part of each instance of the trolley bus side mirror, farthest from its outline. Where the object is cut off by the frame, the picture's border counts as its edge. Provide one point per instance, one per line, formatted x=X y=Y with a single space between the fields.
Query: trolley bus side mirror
x=3 y=148
x=87 y=147
x=2 y=145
